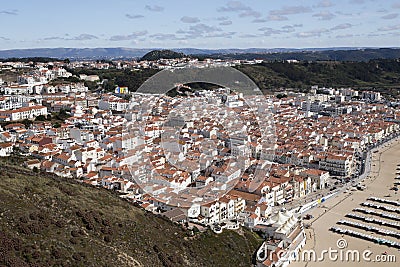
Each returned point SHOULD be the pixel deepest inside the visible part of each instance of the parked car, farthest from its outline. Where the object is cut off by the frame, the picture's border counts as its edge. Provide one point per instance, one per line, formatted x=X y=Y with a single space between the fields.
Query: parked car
x=308 y=217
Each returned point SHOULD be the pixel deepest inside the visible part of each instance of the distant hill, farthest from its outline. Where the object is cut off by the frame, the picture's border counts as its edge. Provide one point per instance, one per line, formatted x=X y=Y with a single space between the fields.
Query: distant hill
x=162 y=54
x=51 y=221
x=311 y=54
x=317 y=55
x=76 y=53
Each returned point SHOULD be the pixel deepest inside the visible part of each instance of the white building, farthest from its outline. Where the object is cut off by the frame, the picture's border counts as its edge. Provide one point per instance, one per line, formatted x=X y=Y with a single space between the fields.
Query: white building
x=24 y=113
x=111 y=102
x=18 y=89
x=318 y=177
x=337 y=164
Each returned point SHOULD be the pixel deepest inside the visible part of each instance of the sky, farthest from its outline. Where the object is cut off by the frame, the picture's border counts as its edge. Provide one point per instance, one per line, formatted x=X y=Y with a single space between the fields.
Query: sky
x=199 y=24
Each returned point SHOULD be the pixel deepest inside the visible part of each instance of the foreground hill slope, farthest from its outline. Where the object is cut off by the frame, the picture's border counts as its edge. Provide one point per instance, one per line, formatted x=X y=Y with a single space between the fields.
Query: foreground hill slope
x=51 y=221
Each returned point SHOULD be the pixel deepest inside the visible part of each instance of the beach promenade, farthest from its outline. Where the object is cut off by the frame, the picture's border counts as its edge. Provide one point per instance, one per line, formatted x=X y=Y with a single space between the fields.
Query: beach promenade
x=378 y=183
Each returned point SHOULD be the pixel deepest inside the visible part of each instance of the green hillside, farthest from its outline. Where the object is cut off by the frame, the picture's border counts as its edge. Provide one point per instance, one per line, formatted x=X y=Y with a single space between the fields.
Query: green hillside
x=162 y=54
x=380 y=75
x=51 y=221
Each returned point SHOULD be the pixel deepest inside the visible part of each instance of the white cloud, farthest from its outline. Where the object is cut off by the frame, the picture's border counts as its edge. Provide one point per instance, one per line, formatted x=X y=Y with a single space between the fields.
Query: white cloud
x=83 y=37
x=259 y=20
x=312 y=33
x=270 y=18
x=154 y=8
x=291 y=28
x=225 y=23
x=234 y=6
x=290 y=10
x=342 y=26
x=247 y=35
x=51 y=38
x=239 y=7
x=267 y=31
x=165 y=36
x=199 y=30
x=9 y=12
x=276 y=18
x=324 y=15
x=133 y=16
x=382 y=10
x=346 y=14
x=131 y=36
x=390 y=16
x=221 y=35
x=324 y=3
x=203 y=28
x=390 y=28
x=345 y=35
x=250 y=13
x=359 y=2
x=187 y=19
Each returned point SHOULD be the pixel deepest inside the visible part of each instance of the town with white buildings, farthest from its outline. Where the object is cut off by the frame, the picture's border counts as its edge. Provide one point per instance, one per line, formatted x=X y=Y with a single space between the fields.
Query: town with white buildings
x=196 y=165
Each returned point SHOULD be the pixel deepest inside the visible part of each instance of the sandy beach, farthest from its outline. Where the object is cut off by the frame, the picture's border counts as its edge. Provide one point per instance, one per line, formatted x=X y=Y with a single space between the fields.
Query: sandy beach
x=378 y=184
